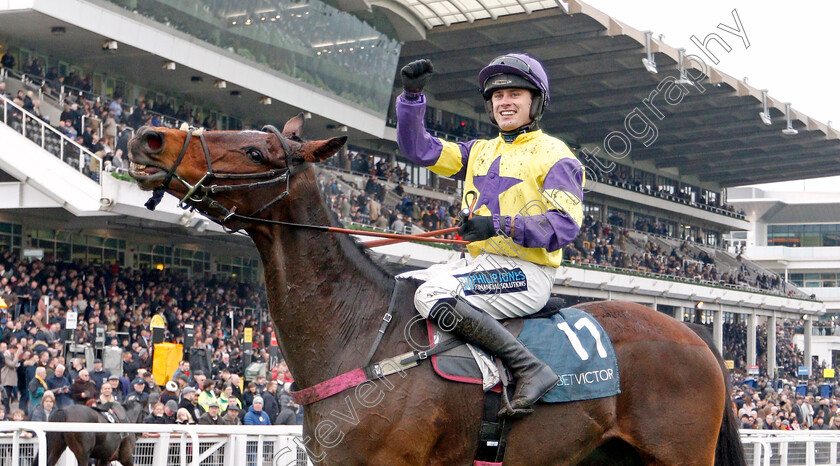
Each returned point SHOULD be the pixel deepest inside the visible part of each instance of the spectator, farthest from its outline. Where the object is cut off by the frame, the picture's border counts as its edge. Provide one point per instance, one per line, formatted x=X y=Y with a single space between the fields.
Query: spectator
x=83 y=389
x=170 y=411
x=183 y=368
x=59 y=385
x=116 y=107
x=232 y=413
x=250 y=394
x=183 y=417
x=170 y=392
x=99 y=374
x=256 y=416
x=8 y=60
x=18 y=415
x=37 y=387
x=129 y=365
x=189 y=402
x=41 y=412
x=207 y=396
x=819 y=424
x=288 y=411
x=8 y=371
x=212 y=417
x=158 y=416
x=227 y=397
x=116 y=388
x=106 y=394
x=271 y=404
x=139 y=394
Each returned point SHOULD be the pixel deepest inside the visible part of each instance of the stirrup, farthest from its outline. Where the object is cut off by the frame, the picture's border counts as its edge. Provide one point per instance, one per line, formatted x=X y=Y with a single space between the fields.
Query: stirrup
x=508 y=411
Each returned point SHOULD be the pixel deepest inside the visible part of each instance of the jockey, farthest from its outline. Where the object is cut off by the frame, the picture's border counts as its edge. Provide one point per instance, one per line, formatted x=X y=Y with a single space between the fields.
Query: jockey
x=527 y=190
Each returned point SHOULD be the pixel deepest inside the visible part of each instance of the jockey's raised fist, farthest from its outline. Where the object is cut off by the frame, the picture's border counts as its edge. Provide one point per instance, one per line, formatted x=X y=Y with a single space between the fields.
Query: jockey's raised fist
x=414 y=77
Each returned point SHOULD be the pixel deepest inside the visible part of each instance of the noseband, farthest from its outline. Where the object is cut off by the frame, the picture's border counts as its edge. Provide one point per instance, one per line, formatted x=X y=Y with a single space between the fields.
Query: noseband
x=198 y=195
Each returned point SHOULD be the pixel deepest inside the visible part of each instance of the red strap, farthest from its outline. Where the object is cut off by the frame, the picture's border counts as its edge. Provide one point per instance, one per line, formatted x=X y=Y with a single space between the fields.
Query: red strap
x=329 y=387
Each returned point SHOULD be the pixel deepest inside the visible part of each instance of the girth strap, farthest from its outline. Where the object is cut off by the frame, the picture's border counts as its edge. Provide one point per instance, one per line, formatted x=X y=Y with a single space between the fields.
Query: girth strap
x=361 y=375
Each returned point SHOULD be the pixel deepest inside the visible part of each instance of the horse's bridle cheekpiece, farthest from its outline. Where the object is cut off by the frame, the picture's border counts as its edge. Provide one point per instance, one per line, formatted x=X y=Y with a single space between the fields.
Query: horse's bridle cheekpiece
x=198 y=195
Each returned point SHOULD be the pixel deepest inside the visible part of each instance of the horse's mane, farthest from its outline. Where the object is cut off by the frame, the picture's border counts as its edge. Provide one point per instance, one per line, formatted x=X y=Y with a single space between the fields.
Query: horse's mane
x=380 y=271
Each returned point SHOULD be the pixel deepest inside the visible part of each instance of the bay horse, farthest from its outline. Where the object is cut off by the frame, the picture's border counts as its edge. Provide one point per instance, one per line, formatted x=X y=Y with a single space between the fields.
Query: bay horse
x=104 y=447
x=327 y=299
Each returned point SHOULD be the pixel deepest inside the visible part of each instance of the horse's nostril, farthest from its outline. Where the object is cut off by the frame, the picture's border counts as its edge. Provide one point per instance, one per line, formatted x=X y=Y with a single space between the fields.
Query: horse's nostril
x=154 y=141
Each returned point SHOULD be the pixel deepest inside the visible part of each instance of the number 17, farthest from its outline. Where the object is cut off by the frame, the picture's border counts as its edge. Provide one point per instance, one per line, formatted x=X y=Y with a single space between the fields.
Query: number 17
x=573 y=338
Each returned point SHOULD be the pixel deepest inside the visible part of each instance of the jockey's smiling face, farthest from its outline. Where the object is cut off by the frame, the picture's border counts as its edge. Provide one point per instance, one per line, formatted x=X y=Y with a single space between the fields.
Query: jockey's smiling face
x=511 y=108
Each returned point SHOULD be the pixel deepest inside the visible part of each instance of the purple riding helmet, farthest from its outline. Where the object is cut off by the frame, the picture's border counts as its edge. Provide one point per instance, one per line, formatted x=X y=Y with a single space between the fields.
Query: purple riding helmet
x=515 y=70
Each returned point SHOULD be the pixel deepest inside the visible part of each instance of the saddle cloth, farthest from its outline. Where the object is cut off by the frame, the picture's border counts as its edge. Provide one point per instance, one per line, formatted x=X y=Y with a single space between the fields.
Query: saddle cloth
x=570 y=341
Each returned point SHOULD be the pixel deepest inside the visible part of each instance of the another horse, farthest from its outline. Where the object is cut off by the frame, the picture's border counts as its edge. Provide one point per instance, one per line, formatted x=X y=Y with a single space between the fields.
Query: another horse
x=101 y=446
x=327 y=299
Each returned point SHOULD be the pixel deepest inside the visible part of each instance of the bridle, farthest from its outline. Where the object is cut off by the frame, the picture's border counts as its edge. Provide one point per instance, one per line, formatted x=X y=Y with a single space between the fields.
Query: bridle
x=198 y=195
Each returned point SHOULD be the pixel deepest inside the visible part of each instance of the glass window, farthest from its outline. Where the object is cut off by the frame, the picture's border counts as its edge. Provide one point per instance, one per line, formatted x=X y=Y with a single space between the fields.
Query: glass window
x=310 y=41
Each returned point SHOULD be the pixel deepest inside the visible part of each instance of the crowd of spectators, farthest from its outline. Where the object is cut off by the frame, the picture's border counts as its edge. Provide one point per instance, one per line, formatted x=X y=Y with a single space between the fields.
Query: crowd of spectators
x=600 y=243
x=626 y=178
x=785 y=404
x=38 y=374
x=366 y=206
x=365 y=164
x=788 y=357
x=103 y=127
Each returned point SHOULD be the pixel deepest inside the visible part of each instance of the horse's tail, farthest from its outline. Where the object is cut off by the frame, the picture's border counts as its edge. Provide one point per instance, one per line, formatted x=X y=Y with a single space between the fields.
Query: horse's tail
x=729 y=450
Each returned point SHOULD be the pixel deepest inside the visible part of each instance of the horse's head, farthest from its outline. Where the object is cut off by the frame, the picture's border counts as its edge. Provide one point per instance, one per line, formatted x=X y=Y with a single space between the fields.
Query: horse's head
x=227 y=175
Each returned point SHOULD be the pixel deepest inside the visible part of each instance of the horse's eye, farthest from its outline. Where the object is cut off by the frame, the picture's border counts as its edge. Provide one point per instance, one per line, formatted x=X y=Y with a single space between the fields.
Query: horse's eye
x=255 y=155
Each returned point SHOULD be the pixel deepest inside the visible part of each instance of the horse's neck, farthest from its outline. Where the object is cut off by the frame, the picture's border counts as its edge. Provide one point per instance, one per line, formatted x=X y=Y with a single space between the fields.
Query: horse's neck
x=326 y=297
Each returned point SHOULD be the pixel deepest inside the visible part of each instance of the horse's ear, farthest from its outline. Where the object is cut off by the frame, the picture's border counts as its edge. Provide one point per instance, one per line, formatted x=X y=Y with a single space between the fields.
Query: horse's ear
x=294 y=127
x=318 y=151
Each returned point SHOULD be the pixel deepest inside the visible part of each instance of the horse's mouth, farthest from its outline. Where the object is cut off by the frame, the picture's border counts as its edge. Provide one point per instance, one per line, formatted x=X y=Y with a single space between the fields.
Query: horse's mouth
x=145 y=174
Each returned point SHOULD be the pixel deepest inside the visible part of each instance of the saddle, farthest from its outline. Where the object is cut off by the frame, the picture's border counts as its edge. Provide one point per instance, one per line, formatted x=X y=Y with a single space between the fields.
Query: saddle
x=553 y=306
x=107 y=411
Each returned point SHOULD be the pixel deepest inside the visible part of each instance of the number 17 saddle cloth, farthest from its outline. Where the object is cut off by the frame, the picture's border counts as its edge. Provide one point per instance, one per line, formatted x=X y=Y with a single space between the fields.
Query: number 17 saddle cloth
x=571 y=342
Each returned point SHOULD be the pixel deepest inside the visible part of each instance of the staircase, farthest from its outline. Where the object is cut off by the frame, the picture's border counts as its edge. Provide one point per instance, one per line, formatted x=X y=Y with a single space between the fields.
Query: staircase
x=31 y=149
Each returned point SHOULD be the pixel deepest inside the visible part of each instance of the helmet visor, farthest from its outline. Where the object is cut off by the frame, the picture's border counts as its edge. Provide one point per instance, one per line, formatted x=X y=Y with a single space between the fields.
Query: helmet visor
x=506 y=81
x=513 y=62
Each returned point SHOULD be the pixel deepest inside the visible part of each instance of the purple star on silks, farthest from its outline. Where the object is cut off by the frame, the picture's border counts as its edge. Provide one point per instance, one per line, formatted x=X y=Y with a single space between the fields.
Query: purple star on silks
x=492 y=185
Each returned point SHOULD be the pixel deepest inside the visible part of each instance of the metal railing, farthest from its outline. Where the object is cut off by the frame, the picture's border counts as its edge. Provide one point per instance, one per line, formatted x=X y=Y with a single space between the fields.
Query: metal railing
x=52 y=140
x=167 y=444
x=791 y=448
x=207 y=445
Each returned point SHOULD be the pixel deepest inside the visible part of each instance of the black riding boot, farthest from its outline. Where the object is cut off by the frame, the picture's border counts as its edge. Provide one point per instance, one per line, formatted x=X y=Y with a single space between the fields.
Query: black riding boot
x=533 y=377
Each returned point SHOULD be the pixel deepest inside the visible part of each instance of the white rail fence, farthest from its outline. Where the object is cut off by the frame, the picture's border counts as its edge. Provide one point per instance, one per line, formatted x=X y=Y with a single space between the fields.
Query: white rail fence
x=791 y=448
x=164 y=445
x=194 y=445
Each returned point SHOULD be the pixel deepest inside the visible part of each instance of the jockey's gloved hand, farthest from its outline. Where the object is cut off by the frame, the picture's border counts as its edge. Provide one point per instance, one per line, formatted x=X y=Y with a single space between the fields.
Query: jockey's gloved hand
x=414 y=77
x=477 y=228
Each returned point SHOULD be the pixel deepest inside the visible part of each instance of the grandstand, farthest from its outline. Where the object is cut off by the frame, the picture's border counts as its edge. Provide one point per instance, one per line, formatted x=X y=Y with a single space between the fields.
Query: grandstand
x=662 y=219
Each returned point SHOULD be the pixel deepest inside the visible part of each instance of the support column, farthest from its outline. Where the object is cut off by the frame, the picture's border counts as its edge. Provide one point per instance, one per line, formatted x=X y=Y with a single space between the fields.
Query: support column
x=809 y=330
x=717 y=329
x=752 y=321
x=771 y=346
x=678 y=313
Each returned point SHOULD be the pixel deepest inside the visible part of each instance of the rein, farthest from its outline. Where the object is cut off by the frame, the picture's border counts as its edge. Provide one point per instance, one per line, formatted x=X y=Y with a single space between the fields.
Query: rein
x=198 y=195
